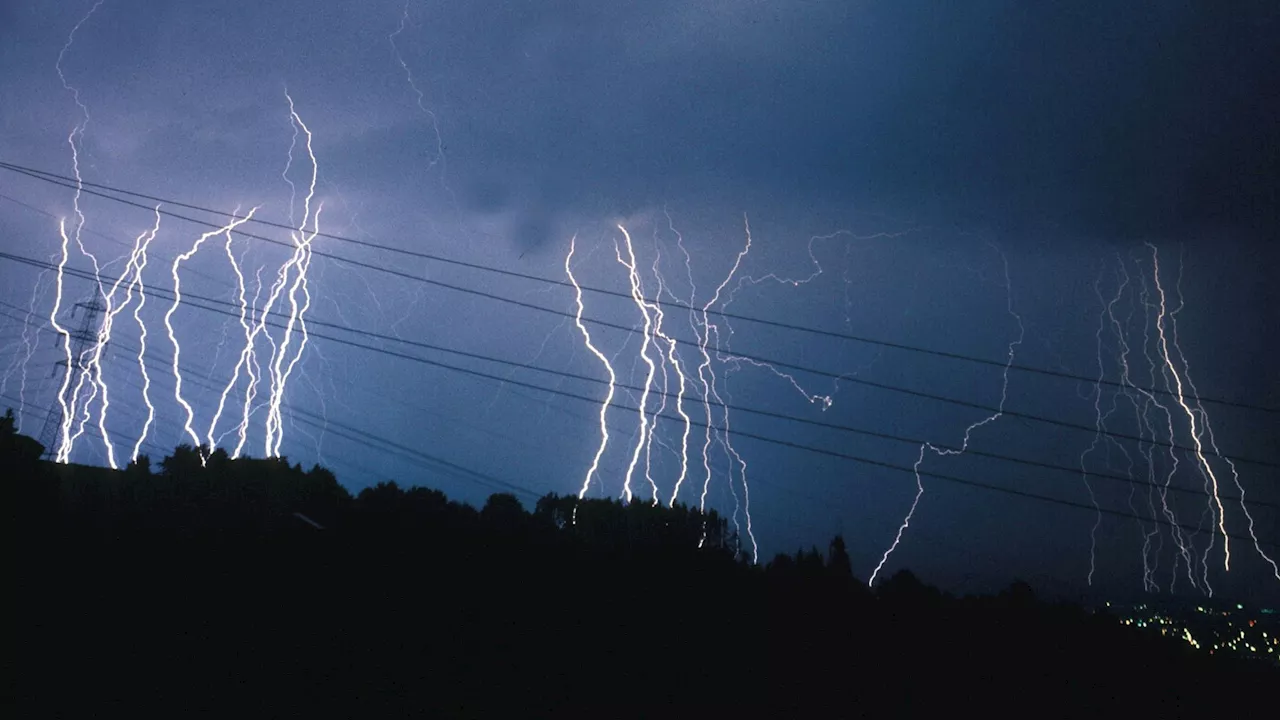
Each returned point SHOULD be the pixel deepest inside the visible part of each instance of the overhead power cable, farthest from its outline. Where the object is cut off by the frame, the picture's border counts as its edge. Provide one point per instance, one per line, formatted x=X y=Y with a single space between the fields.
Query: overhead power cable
x=72 y=183
x=188 y=297
x=789 y=444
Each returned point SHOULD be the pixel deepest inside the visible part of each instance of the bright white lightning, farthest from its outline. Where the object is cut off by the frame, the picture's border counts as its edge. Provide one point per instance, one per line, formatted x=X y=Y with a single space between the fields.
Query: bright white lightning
x=64 y=431
x=1208 y=428
x=136 y=257
x=1175 y=530
x=613 y=378
x=245 y=354
x=1145 y=430
x=254 y=368
x=941 y=452
x=70 y=408
x=1097 y=428
x=674 y=360
x=297 y=316
x=141 y=264
x=1191 y=417
x=709 y=391
x=177 y=300
x=637 y=295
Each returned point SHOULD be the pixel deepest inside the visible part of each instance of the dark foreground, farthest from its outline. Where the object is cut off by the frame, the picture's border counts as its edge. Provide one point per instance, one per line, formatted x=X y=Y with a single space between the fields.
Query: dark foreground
x=413 y=605
x=323 y=623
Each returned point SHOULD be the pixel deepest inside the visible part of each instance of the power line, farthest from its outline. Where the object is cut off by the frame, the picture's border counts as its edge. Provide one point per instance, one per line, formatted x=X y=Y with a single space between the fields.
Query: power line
x=72 y=183
x=104 y=236
x=826 y=452
x=395 y=448
x=165 y=293
x=1033 y=463
x=29 y=409
x=987 y=486
x=416 y=456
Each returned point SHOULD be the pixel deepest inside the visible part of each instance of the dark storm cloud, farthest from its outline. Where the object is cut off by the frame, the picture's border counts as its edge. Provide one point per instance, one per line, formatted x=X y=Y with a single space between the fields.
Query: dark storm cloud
x=1132 y=119
x=1146 y=118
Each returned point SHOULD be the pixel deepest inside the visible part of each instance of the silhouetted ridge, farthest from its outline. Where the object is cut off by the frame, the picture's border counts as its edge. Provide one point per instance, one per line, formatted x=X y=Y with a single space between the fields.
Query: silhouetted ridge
x=202 y=582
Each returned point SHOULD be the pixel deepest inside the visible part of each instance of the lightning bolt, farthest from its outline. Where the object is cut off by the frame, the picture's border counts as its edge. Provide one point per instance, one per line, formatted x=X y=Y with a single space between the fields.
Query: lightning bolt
x=297 y=316
x=702 y=339
x=252 y=367
x=77 y=131
x=1148 y=340
x=637 y=294
x=942 y=452
x=1208 y=429
x=173 y=308
x=613 y=378
x=1180 y=397
x=132 y=268
x=246 y=354
x=709 y=390
x=29 y=341
x=439 y=157
x=823 y=400
x=1097 y=434
x=1127 y=389
x=64 y=431
x=674 y=361
x=141 y=264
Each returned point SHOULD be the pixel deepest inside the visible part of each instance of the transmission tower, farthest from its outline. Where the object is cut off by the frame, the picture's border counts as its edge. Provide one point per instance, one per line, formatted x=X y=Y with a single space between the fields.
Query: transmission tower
x=81 y=338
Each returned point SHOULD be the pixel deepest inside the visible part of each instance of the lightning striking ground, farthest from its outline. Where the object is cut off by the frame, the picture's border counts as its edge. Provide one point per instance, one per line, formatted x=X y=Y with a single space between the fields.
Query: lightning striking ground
x=942 y=452
x=637 y=293
x=301 y=260
x=141 y=265
x=1181 y=401
x=613 y=378
x=173 y=308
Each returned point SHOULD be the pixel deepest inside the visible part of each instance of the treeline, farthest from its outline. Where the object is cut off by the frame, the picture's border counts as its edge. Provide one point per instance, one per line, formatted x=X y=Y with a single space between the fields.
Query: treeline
x=205 y=583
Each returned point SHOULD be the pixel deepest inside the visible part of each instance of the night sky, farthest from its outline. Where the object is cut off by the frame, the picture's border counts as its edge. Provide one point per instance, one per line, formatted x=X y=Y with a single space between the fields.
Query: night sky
x=890 y=158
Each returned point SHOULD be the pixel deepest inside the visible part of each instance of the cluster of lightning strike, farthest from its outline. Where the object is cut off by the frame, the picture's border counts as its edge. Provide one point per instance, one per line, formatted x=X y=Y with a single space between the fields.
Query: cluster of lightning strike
x=659 y=351
x=89 y=383
x=84 y=387
x=968 y=431
x=20 y=361
x=1171 y=416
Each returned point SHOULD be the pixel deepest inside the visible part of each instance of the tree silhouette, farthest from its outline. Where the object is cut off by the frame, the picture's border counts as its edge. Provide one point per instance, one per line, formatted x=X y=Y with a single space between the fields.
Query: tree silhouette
x=139 y=467
x=838 y=563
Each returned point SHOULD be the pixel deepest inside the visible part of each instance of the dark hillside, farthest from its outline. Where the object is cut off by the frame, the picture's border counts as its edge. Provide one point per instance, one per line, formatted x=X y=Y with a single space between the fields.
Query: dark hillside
x=190 y=587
